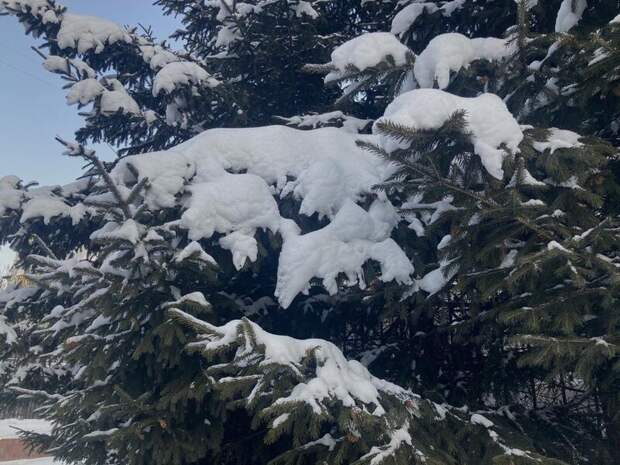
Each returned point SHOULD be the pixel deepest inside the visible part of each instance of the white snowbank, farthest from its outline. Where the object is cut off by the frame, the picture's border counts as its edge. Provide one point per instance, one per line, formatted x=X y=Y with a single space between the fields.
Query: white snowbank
x=367 y=51
x=229 y=178
x=181 y=73
x=89 y=32
x=488 y=120
x=452 y=51
x=7 y=427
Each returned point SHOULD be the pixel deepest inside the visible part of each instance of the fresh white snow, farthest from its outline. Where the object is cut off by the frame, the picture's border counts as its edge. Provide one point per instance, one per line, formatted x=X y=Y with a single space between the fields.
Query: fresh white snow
x=489 y=121
x=451 y=52
x=568 y=17
x=367 y=51
x=181 y=73
x=86 y=33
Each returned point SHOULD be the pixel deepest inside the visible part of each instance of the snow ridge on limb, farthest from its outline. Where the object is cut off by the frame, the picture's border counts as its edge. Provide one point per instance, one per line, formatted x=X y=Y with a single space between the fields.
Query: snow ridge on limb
x=333 y=406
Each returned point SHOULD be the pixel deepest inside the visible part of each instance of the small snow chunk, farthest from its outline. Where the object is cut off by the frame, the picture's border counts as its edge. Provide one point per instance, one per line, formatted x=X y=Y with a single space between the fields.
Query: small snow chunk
x=84 y=92
x=477 y=419
x=181 y=73
x=558 y=139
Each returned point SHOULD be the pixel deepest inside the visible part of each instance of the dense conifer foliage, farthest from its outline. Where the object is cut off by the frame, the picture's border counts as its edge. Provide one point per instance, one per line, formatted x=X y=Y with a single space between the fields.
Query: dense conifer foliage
x=337 y=232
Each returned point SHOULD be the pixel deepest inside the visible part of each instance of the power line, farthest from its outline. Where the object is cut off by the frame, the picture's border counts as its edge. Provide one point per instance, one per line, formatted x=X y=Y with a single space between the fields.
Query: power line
x=27 y=73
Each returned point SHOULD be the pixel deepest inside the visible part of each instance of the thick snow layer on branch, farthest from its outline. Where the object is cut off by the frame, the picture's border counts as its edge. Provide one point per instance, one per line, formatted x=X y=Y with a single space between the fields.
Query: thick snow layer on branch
x=489 y=121
x=559 y=139
x=118 y=100
x=40 y=8
x=84 y=91
x=226 y=179
x=367 y=51
x=10 y=195
x=408 y=15
x=179 y=74
x=453 y=51
x=343 y=246
x=567 y=17
x=335 y=377
x=85 y=33
x=156 y=56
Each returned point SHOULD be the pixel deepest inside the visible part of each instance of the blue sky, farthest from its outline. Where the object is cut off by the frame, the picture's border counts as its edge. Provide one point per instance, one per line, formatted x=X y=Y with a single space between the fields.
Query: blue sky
x=32 y=102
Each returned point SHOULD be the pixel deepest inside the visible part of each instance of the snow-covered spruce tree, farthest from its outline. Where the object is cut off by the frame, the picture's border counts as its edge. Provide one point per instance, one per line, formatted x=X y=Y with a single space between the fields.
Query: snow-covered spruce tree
x=236 y=394
x=334 y=229
x=145 y=95
x=467 y=67
x=523 y=236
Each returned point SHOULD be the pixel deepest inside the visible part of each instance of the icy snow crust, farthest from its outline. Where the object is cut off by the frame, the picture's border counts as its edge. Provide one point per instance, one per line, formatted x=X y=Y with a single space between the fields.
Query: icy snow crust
x=227 y=180
x=491 y=124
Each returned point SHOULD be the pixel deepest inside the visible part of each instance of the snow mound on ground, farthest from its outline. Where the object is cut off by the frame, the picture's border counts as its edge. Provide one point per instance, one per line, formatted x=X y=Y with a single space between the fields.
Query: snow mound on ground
x=489 y=121
x=227 y=179
x=453 y=51
x=367 y=51
x=181 y=73
x=86 y=33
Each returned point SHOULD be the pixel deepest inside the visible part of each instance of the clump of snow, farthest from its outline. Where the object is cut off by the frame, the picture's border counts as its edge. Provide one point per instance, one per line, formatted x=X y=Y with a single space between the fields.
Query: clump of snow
x=86 y=33
x=343 y=246
x=181 y=73
x=118 y=99
x=451 y=52
x=491 y=125
x=616 y=20
x=56 y=64
x=335 y=378
x=558 y=139
x=10 y=194
x=408 y=15
x=398 y=439
x=568 y=17
x=367 y=51
x=9 y=334
x=84 y=91
x=477 y=419
x=227 y=180
x=157 y=56
x=40 y=8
